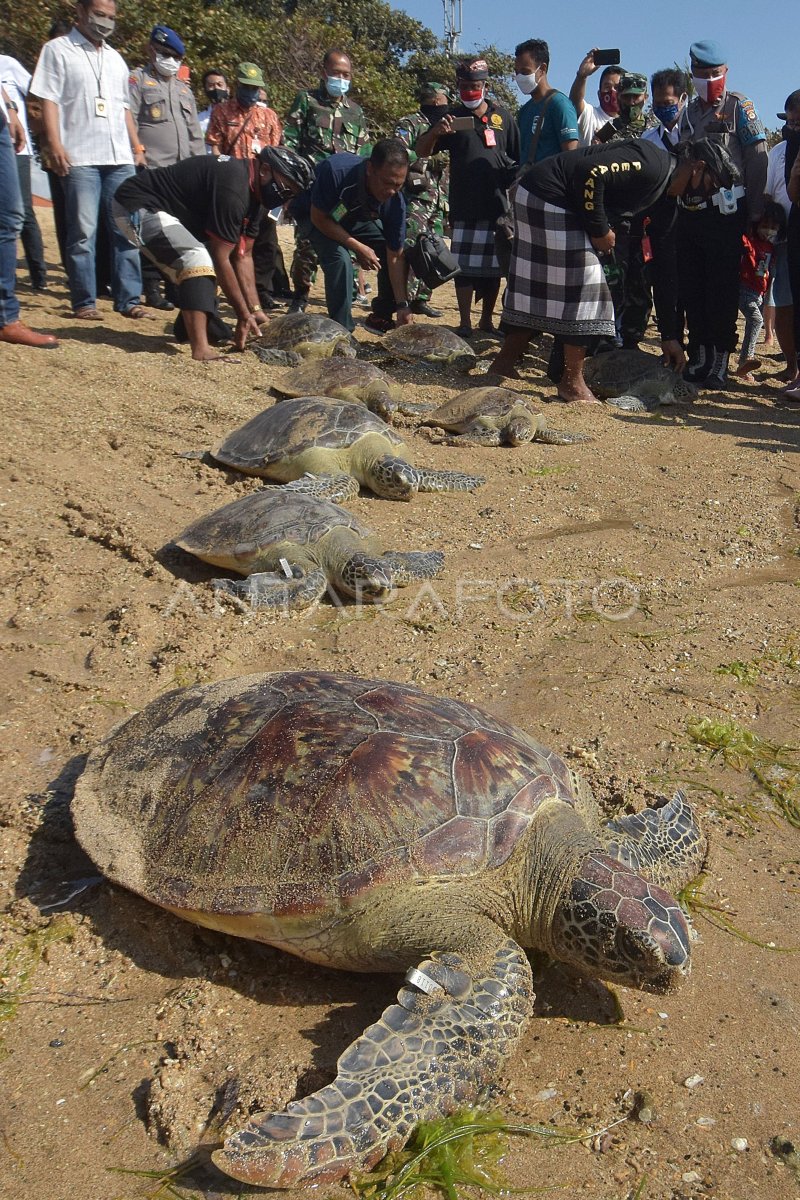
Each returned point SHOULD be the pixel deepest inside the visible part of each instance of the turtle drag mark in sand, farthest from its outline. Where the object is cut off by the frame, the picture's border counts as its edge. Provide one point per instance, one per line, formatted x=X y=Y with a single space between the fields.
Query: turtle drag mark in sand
x=325 y=437
x=368 y=826
x=322 y=545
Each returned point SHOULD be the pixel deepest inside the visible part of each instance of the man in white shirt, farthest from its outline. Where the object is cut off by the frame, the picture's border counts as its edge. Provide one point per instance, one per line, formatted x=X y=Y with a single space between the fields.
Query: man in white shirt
x=94 y=143
x=16 y=81
x=670 y=91
x=592 y=117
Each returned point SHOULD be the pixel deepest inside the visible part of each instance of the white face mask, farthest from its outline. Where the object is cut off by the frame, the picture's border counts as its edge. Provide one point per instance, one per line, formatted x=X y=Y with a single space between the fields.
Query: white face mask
x=528 y=83
x=167 y=66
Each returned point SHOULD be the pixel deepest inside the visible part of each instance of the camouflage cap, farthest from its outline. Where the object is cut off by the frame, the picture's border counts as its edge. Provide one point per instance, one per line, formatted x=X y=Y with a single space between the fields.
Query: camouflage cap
x=632 y=82
x=250 y=75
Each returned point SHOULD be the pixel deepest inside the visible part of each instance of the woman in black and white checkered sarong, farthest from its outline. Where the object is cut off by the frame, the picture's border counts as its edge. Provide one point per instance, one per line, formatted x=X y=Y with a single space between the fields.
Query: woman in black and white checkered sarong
x=556 y=281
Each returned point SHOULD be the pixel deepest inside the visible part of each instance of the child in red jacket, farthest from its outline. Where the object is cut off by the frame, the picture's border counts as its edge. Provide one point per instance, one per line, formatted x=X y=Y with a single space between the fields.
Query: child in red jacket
x=758 y=250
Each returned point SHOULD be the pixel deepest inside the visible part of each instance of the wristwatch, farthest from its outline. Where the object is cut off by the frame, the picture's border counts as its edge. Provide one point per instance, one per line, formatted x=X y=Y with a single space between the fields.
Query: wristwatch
x=12 y=104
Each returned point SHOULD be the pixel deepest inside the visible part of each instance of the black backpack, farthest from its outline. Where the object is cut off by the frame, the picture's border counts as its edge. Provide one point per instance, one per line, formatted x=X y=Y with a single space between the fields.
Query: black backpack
x=431 y=260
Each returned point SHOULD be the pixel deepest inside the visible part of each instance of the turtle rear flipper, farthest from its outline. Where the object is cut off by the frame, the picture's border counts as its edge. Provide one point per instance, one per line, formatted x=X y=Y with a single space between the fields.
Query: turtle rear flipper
x=269 y=589
x=274 y=357
x=429 y=1054
x=447 y=481
x=666 y=845
x=413 y=564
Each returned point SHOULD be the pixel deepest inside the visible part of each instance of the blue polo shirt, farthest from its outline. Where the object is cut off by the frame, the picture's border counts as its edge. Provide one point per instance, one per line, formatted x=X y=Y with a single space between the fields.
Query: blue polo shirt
x=560 y=125
x=340 y=190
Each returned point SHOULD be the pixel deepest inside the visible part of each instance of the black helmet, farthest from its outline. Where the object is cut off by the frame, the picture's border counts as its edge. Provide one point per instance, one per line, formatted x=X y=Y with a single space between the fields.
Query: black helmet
x=291 y=165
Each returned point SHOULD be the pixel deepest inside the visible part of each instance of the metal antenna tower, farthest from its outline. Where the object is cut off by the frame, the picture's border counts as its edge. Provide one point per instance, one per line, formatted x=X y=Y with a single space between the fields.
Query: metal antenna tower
x=452 y=24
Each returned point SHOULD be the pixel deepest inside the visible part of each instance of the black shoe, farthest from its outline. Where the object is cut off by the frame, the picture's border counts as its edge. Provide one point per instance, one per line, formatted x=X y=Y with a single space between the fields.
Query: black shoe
x=299 y=304
x=154 y=299
x=423 y=309
x=267 y=303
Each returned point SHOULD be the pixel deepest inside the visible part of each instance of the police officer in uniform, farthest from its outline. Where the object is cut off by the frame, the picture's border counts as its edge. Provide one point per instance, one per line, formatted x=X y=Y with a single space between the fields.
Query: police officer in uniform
x=709 y=231
x=320 y=123
x=427 y=183
x=164 y=110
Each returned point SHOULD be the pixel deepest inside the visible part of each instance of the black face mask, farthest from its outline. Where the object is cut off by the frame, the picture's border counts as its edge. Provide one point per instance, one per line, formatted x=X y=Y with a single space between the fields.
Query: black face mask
x=792 y=139
x=273 y=196
x=434 y=112
x=217 y=95
x=247 y=96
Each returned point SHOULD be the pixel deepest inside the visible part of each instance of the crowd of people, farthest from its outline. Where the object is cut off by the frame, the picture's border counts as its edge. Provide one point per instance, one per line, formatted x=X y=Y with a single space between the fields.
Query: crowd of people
x=594 y=215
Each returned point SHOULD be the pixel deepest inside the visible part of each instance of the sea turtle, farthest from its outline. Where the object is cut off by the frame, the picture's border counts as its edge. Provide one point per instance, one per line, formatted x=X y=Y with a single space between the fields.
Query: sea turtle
x=287 y=340
x=352 y=380
x=365 y=825
x=635 y=381
x=293 y=545
x=424 y=345
x=325 y=436
x=494 y=416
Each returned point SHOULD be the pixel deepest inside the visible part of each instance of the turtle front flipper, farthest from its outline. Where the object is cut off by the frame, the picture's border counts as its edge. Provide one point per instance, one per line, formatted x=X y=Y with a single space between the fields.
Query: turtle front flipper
x=666 y=845
x=429 y=1054
x=269 y=589
x=274 y=357
x=447 y=481
x=628 y=403
x=413 y=564
x=559 y=437
x=336 y=488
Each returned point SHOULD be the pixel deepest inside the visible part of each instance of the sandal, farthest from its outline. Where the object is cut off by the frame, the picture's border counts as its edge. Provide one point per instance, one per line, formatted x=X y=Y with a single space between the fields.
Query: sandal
x=137 y=312
x=87 y=314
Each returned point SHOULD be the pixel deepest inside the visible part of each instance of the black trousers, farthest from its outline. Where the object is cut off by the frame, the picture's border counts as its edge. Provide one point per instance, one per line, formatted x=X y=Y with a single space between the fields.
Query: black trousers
x=793 y=256
x=30 y=233
x=709 y=251
x=268 y=264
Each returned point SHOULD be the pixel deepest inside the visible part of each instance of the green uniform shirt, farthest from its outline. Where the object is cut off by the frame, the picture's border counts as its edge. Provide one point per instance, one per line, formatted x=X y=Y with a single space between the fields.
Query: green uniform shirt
x=319 y=125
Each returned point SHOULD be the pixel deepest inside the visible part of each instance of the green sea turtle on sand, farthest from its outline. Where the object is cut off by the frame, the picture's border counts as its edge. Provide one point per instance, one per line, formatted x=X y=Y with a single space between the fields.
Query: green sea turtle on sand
x=634 y=381
x=288 y=340
x=327 y=437
x=494 y=416
x=365 y=825
x=293 y=545
x=352 y=380
x=423 y=346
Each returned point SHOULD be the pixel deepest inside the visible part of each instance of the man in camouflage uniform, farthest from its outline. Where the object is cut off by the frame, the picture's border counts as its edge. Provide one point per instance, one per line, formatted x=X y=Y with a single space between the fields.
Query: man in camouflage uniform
x=709 y=231
x=625 y=268
x=427 y=184
x=320 y=123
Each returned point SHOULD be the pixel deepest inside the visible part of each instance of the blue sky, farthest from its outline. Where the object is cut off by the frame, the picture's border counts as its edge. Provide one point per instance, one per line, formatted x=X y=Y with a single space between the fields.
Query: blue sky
x=761 y=39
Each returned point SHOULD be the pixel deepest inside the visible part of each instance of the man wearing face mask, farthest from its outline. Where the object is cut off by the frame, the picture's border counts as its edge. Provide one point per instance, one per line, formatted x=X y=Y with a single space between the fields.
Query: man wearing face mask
x=426 y=186
x=93 y=145
x=197 y=221
x=592 y=117
x=240 y=127
x=165 y=112
x=709 y=231
x=547 y=108
x=215 y=89
x=782 y=158
x=670 y=90
x=483 y=161
x=321 y=122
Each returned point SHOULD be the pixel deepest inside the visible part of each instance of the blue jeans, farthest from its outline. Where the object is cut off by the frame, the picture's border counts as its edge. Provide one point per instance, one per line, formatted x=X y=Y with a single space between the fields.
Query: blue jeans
x=11 y=218
x=88 y=192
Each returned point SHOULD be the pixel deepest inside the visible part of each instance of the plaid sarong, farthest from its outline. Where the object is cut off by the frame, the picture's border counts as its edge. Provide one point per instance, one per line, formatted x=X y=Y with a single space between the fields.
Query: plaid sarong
x=473 y=246
x=556 y=281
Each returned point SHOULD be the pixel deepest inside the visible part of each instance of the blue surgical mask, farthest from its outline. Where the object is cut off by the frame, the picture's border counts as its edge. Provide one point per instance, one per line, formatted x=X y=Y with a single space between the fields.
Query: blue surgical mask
x=337 y=86
x=666 y=113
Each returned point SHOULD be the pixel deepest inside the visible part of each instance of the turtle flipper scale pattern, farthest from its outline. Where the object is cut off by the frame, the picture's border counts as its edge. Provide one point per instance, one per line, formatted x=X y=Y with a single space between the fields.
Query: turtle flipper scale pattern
x=447 y=481
x=427 y=1055
x=269 y=589
x=406 y=566
x=665 y=845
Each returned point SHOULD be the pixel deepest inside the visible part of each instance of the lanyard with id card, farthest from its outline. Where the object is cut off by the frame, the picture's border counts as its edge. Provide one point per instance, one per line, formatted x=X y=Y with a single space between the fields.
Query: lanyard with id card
x=100 y=106
x=489 y=138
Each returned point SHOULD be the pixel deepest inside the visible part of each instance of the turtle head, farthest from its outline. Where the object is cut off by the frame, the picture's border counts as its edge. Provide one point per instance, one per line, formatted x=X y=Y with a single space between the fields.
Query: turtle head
x=613 y=924
x=393 y=478
x=367 y=579
x=519 y=431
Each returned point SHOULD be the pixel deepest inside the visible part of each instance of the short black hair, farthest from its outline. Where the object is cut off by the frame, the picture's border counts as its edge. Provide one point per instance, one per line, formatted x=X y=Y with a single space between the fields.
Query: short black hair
x=538 y=50
x=389 y=152
x=774 y=214
x=335 y=50
x=671 y=77
x=213 y=71
x=612 y=70
x=59 y=27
